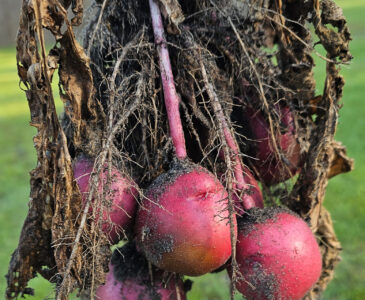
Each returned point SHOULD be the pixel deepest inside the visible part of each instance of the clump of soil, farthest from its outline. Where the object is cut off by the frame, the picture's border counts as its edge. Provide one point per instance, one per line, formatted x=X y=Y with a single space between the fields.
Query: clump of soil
x=260 y=216
x=177 y=168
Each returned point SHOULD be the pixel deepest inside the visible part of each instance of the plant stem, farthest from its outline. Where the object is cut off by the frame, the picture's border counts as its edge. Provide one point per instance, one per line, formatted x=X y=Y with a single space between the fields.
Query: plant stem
x=168 y=85
x=240 y=183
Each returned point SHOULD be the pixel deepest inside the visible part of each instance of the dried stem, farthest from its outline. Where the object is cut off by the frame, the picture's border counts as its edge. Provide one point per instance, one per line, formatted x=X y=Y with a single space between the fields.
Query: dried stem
x=96 y=27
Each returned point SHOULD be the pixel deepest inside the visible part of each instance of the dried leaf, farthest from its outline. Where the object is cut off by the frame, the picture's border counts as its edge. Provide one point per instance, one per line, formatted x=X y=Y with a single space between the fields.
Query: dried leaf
x=77 y=94
x=340 y=162
x=314 y=103
x=48 y=232
x=337 y=42
x=330 y=249
x=325 y=157
x=171 y=9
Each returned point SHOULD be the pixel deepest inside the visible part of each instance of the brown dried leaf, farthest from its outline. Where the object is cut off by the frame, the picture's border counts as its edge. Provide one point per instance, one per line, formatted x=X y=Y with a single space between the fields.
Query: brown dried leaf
x=330 y=249
x=314 y=103
x=77 y=94
x=337 y=42
x=171 y=9
x=77 y=9
x=325 y=157
x=340 y=162
x=52 y=222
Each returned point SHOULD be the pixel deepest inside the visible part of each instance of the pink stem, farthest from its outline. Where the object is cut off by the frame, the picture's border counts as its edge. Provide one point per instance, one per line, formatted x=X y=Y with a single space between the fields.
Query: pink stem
x=247 y=201
x=240 y=184
x=169 y=90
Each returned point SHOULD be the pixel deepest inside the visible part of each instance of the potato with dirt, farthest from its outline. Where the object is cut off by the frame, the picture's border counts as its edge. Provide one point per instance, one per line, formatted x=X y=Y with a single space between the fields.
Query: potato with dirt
x=274 y=166
x=117 y=215
x=129 y=278
x=181 y=226
x=277 y=255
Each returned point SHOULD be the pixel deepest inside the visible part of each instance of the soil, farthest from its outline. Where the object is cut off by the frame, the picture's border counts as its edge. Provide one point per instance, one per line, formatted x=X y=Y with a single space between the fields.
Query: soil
x=261 y=216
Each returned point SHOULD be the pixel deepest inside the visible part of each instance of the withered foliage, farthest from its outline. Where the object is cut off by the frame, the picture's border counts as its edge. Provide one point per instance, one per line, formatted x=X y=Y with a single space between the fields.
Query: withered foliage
x=49 y=231
x=224 y=54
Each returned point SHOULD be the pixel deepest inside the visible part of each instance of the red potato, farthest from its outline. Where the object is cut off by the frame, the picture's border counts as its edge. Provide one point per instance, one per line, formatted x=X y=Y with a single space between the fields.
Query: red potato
x=131 y=289
x=190 y=235
x=184 y=227
x=272 y=170
x=129 y=279
x=277 y=254
x=121 y=194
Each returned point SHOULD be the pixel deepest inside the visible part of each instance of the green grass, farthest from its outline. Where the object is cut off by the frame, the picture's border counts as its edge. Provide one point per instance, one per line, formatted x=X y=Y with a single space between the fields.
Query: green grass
x=344 y=199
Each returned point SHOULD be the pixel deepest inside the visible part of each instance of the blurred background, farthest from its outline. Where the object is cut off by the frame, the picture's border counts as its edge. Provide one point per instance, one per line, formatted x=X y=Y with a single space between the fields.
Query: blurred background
x=345 y=193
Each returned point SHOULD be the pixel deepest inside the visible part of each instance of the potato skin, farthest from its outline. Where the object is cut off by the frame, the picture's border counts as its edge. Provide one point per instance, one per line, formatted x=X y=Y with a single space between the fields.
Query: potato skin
x=122 y=195
x=190 y=235
x=138 y=288
x=279 y=255
x=130 y=278
x=269 y=168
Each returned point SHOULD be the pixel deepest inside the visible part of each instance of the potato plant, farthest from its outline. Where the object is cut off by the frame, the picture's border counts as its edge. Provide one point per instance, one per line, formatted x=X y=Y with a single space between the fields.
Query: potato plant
x=193 y=135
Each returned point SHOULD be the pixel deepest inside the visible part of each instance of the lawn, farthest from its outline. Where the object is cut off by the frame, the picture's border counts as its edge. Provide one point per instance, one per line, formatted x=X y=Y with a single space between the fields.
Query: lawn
x=344 y=197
